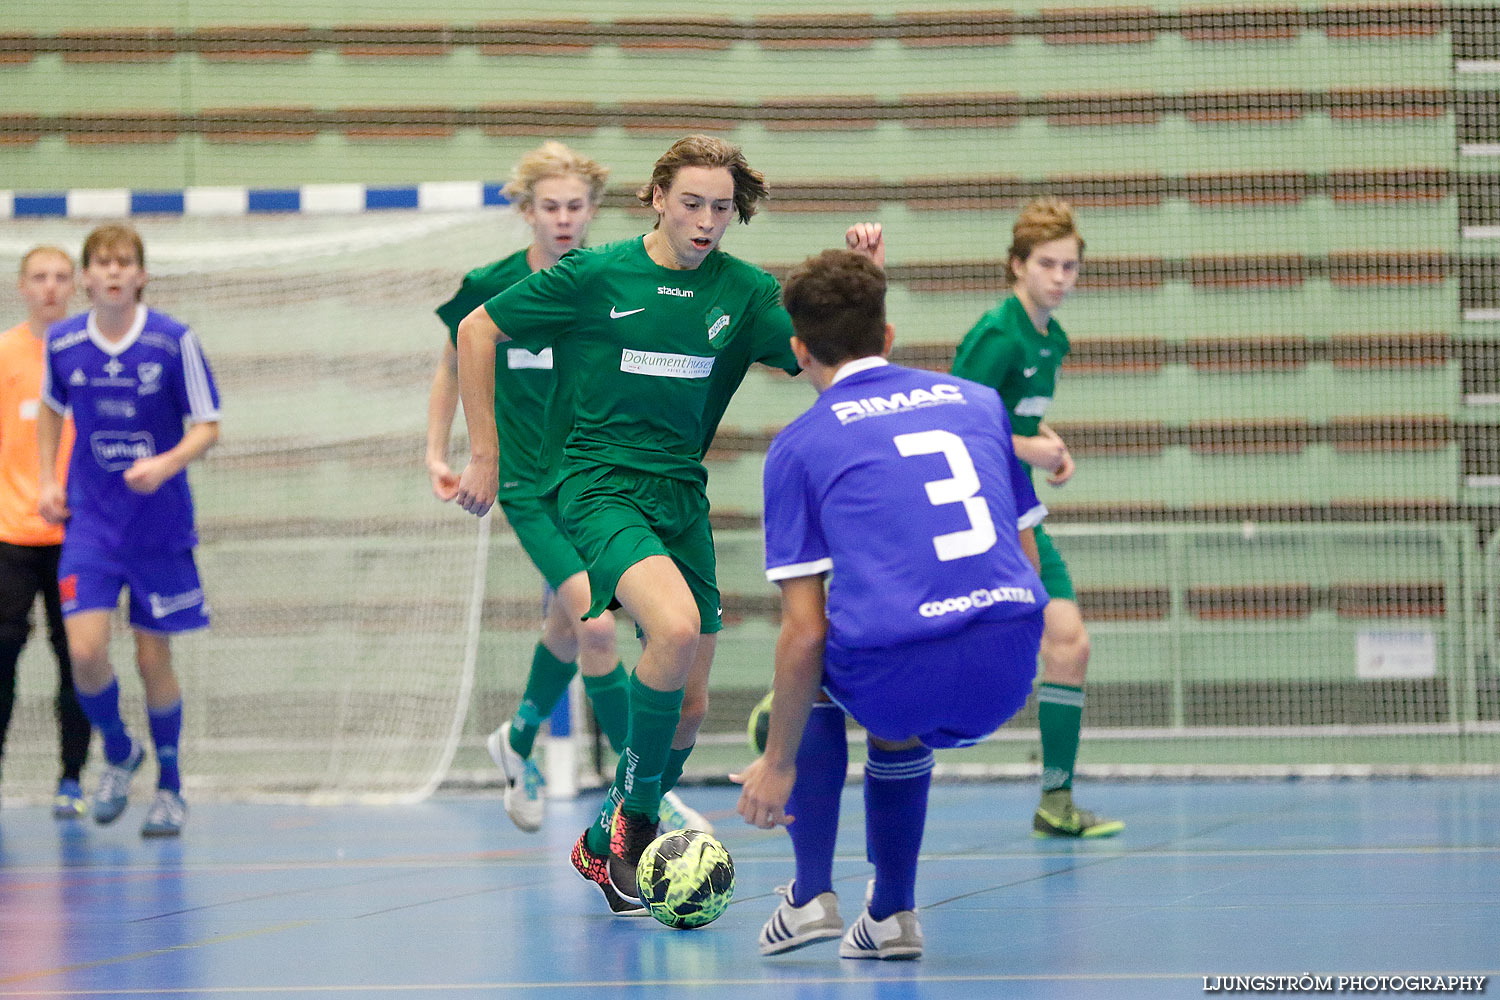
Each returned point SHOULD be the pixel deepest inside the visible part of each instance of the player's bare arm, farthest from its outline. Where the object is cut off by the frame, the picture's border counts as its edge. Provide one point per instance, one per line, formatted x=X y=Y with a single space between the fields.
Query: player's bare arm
x=52 y=501
x=1027 y=538
x=480 y=481
x=867 y=238
x=442 y=404
x=769 y=779
x=1063 y=471
x=1045 y=450
x=146 y=475
x=1038 y=451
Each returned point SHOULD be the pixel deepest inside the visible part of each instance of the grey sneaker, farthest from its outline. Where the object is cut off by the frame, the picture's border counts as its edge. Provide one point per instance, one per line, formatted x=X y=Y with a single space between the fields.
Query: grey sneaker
x=898 y=936
x=113 y=793
x=525 y=802
x=676 y=814
x=792 y=927
x=165 y=817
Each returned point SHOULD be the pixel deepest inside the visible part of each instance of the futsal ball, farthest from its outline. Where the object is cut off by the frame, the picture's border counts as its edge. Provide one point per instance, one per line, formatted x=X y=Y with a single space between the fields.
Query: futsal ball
x=686 y=878
x=760 y=724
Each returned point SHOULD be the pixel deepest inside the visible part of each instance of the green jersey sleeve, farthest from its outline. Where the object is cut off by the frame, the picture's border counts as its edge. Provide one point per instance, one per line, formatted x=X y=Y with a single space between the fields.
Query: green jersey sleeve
x=535 y=311
x=465 y=300
x=478 y=286
x=772 y=332
x=986 y=355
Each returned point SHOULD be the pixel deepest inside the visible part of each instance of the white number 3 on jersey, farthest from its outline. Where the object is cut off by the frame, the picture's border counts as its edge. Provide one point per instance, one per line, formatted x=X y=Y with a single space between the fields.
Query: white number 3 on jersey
x=962 y=488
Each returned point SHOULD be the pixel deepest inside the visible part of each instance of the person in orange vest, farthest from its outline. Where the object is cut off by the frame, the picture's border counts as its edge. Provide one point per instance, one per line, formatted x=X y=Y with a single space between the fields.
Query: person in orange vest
x=29 y=546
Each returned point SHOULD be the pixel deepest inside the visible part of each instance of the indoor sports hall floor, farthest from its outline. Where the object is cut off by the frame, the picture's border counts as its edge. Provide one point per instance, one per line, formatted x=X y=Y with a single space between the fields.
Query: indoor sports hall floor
x=447 y=899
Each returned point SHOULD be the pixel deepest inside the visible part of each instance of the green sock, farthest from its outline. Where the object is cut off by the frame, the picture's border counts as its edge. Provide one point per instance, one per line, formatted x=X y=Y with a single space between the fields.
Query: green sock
x=597 y=837
x=610 y=696
x=653 y=723
x=672 y=773
x=545 y=685
x=1059 y=714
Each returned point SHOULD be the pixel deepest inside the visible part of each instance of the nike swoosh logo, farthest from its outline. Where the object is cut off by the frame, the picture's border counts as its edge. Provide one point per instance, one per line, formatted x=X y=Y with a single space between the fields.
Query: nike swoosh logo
x=616 y=314
x=1028 y=372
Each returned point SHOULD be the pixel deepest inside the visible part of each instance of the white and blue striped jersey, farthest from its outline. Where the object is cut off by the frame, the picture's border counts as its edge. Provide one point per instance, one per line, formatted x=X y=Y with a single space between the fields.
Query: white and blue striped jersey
x=130 y=399
x=903 y=486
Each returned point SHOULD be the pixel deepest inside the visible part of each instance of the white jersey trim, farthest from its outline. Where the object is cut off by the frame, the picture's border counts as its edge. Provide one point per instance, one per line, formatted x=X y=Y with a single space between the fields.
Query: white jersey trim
x=856 y=366
x=114 y=348
x=1031 y=518
x=1033 y=406
x=815 y=568
x=519 y=357
x=195 y=376
x=48 y=399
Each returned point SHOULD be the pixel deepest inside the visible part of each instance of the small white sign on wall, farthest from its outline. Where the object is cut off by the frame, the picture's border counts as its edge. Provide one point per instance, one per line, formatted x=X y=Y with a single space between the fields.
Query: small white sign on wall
x=1387 y=654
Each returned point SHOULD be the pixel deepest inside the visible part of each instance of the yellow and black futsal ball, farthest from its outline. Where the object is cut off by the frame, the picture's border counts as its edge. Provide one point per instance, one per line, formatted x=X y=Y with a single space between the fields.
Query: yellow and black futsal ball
x=686 y=878
x=760 y=724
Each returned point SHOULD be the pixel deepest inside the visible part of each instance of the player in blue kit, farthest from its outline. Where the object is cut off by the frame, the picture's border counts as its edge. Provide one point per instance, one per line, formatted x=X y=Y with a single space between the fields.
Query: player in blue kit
x=144 y=406
x=898 y=526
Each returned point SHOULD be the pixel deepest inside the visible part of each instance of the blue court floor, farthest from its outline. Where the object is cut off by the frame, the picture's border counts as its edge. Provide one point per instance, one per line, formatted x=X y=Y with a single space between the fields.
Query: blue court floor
x=447 y=899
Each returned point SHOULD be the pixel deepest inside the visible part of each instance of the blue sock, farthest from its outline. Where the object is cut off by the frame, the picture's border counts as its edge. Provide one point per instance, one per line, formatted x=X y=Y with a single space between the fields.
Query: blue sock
x=822 y=762
x=103 y=710
x=896 y=784
x=166 y=728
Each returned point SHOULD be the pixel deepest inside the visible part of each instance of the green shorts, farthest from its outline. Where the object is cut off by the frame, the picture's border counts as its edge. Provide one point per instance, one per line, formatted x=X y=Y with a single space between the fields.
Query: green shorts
x=617 y=517
x=535 y=522
x=1054 y=571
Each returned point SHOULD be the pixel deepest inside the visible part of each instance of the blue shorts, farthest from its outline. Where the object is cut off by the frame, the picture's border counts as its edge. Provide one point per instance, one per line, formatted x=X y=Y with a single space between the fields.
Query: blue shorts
x=165 y=592
x=947 y=692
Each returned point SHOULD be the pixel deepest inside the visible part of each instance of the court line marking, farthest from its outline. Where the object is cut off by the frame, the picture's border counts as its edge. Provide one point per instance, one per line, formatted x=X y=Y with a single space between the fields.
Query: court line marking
x=446 y=899
x=1061 y=849
x=476 y=859
x=1237 y=852
x=298 y=891
x=409 y=868
x=604 y=984
x=780 y=982
x=98 y=963
x=1076 y=977
x=1094 y=858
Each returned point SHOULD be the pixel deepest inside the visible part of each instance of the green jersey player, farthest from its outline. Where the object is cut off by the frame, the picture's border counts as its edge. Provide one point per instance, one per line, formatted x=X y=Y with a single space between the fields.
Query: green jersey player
x=1016 y=348
x=556 y=190
x=650 y=337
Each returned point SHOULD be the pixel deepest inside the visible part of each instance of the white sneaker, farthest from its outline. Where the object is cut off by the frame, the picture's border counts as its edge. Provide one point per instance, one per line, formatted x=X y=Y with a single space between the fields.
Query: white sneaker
x=898 y=936
x=165 y=817
x=525 y=802
x=792 y=927
x=113 y=793
x=674 y=814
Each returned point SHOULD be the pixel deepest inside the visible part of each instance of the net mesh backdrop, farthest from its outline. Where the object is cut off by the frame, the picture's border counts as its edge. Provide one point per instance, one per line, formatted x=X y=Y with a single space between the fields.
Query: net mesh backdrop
x=1283 y=395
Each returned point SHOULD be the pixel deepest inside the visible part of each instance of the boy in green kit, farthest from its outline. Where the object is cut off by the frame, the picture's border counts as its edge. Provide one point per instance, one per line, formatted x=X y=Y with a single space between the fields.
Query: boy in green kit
x=650 y=336
x=1016 y=348
x=556 y=191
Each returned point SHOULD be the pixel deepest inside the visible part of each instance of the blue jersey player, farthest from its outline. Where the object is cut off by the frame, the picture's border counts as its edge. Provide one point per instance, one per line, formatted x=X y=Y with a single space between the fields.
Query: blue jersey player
x=899 y=490
x=144 y=405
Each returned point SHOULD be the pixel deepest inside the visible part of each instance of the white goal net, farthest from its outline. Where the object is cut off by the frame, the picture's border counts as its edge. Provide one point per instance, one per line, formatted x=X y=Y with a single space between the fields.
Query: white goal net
x=346 y=600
